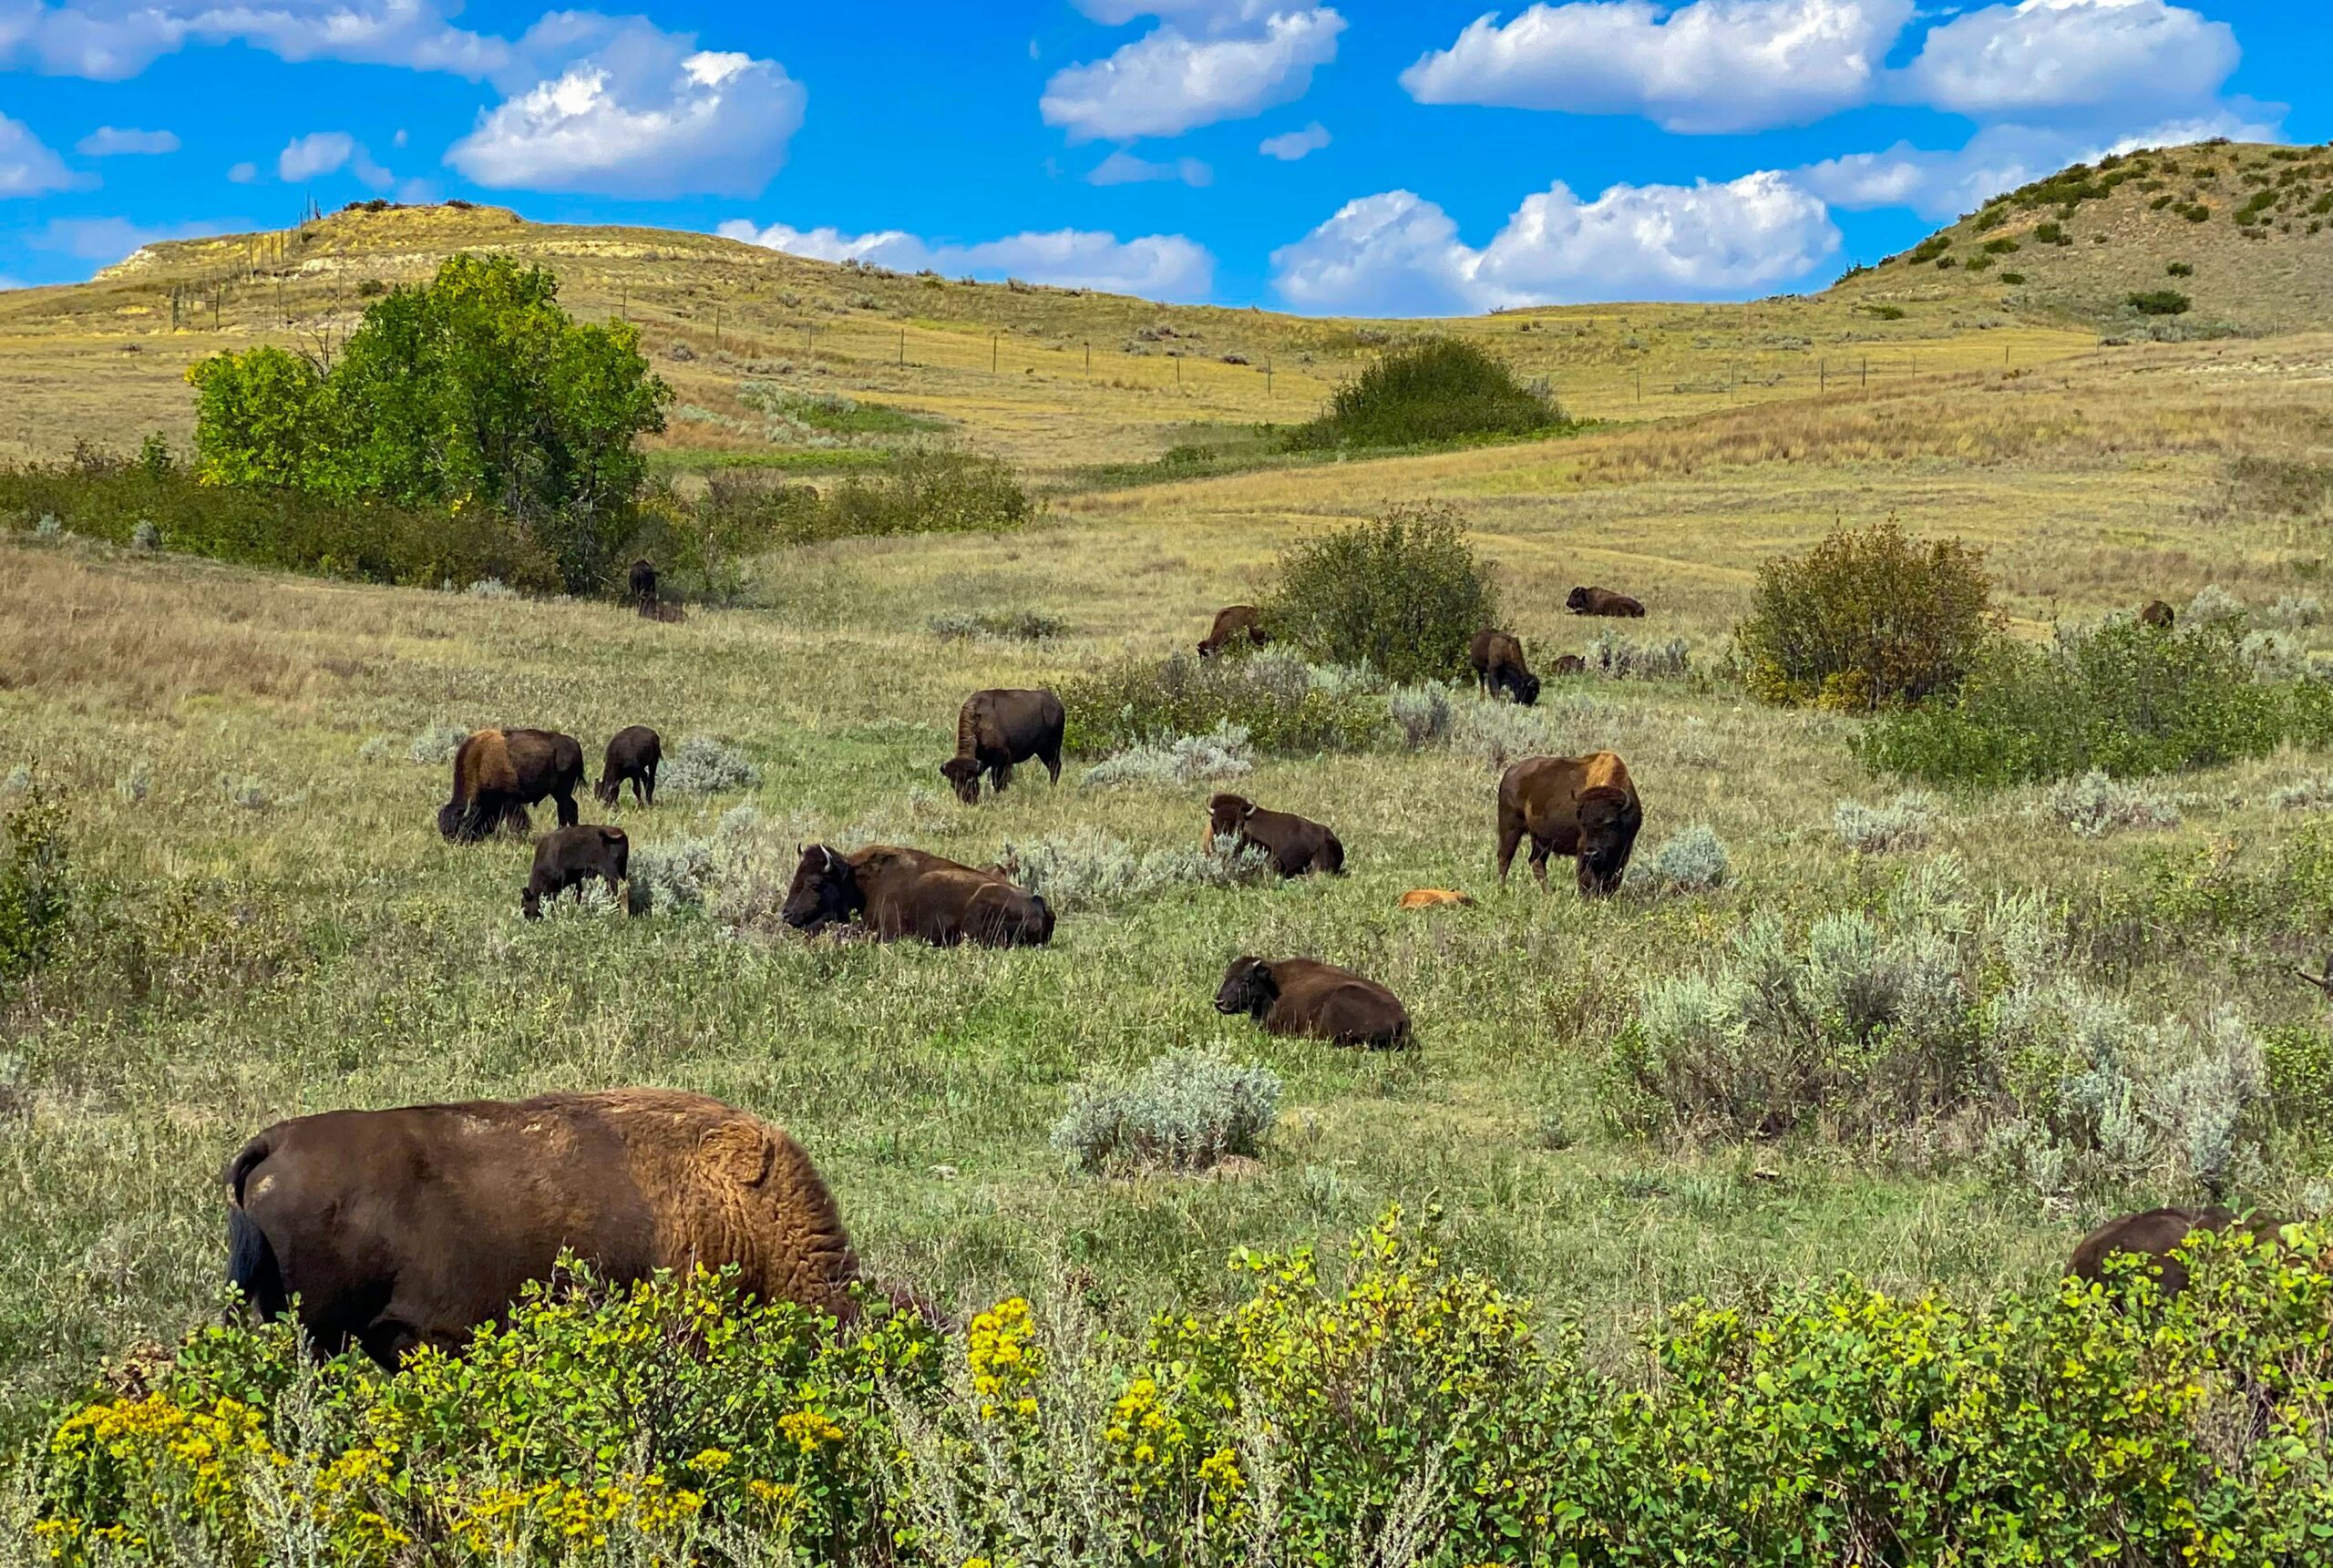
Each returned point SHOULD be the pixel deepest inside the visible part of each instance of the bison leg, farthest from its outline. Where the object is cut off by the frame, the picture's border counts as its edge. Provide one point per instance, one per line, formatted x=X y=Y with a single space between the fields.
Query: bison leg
x=647 y=777
x=1000 y=776
x=1539 y=853
x=1051 y=759
x=567 y=815
x=1509 y=839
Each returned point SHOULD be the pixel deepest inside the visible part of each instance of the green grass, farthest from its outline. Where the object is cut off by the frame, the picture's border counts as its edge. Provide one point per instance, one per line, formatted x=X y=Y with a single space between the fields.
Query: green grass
x=673 y=460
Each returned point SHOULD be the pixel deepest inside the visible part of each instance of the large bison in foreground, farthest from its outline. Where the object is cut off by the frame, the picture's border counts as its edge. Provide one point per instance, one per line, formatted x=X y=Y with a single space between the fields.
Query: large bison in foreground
x=1582 y=806
x=996 y=729
x=401 y=1228
x=1315 y=1000
x=498 y=773
x=2155 y=1235
x=908 y=893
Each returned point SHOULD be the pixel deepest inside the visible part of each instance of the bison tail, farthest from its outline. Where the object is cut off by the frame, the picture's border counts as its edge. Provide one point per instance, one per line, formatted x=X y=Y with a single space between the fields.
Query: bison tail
x=251 y=1267
x=1042 y=928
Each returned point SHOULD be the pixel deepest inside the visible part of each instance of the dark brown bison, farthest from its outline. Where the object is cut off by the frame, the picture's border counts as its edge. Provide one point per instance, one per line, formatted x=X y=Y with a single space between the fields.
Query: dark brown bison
x=2156 y=1235
x=2157 y=614
x=1582 y=806
x=498 y=773
x=633 y=753
x=644 y=583
x=1231 y=625
x=1569 y=664
x=995 y=729
x=572 y=856
x=401 y=1228
x=1314 y=1000
x=1498 y=659
x=1292 y=846
x=1602 y=601
x=908 y=893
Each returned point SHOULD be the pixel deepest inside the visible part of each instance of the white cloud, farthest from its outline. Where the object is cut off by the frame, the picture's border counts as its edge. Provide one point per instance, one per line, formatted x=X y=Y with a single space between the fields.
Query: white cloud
x=28 y=167
x=243 y=174
x=1712 y=65
x=326 y=152
x=2053 y=56
x=1168 y=82
x=109 y=239
x=1155 y=266
x=630 y=110
x=111 y=40
x=1397 y=252
x=1211 y=15
x=1293 y=145
x=1123 y=167
x=107 y=141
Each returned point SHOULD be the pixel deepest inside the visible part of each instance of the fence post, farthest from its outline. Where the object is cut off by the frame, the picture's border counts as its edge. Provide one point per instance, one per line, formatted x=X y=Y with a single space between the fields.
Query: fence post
x=991 y=354
x=903 y=348
x=1268 y=378
x=1089 y=356
x=1823 y=371
x=1866 y=371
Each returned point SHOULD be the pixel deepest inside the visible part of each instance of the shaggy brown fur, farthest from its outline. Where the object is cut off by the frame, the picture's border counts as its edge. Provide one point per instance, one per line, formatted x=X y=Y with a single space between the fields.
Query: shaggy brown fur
x=2157 y=614
x=1231 y=624
x=633 y=753
x=572 y=856
x=908 y=893
x=1601 y=601
x=1498 y=659
x=1314 y=1000
x=1569 y=664
x=1583 y=806
x=2156 y=1235
x=1293 y=846
x=401 y=1228
x=1436 y=898
x=498 y=773
x=997 y=729
x=644 y=583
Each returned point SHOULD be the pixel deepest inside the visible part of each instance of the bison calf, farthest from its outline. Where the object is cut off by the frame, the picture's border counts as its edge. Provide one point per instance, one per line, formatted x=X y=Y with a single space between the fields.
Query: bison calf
x=1292 y=846
x=1436 y=898
x=2157 y=614
x=634 y=754
x=2154 y=1237
x=572 y=856
x=908 y=893
x=1581 y=807
x=994 y=730
x=1314 y=1000
x=1239 y=622
x=498 y=773
x=1498 y=659
x=1569 y=664
x=1602 y=601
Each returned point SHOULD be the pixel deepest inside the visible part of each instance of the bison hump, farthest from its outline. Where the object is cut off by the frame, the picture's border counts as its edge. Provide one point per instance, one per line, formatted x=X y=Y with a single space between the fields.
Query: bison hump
x=490 y=767
x=735 y=1154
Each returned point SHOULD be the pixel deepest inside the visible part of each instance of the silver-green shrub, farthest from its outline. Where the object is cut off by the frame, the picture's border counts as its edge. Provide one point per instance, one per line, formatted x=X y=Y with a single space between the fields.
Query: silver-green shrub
x=703 y=764
x=1618 y=658
x=2094 y=805
x=1223 y=753
x=1421 y=712
x=1691 y=861
x=1089 y=870
x=437 y=744
x=1908 y=822
x=1186 y=1112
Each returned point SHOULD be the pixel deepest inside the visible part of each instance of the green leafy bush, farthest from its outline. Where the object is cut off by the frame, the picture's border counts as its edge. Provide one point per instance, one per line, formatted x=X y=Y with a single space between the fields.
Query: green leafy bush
x=2161 y=302
x=1868 y=618
x=1145 y=704
x=1404 y=595
x=1440 y=390
x=36 y=894
x=1188 y=1112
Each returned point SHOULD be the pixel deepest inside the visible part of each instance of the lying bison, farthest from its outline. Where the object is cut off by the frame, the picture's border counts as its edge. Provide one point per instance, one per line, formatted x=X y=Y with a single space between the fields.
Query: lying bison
x=634 y=754
x=396 y=1229
x=1498 y=659
x=1314 y=1000
x=2157 y=614
x=2155 y=1236
x=1582 y=806
x=1292 y=846
x=1602 y=601
x=498 y=773
x=908 y=893
x=1436 y=898
x=1238 y=622
x=995 y=729
x=572 y=856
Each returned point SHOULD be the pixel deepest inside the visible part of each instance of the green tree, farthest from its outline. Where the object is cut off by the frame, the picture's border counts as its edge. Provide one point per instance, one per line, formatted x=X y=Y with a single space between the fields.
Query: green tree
x=1404 y=595
x=254 y=416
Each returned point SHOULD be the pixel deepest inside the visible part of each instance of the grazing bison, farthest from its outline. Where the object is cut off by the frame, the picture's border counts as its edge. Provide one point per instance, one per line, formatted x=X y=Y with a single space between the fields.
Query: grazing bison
x=1231 y=624
x=1292 y=846
x=1319 y=1001
x=498 y=773
x=1583 y=806
x=633 y=753
x=2157 y=614
x=908 y=893
x=2156 y=1235
x=396 y=1229
x=995 y=729
x=1602 y=601
x=1436 y=898
x=572 y=856
x=643 y=584
x=1569 y=664
x=1498 y=659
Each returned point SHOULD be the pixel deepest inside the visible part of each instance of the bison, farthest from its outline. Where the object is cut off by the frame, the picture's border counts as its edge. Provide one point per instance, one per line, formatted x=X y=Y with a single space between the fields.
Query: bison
x=2156 y=1235
x=995 y=729
x=643 y=584
x=633 y=753
x=1436 y=898
x=1314 y=1000
x=908 y=893
x=1498 y=659
x=1602 y=601
x=396 y=1229
x=572 y=856
x=1231 y=625
x=498 y=773
x=1582 y=806
x=2157 y=614
x=1569 y=664
x=1292 y=846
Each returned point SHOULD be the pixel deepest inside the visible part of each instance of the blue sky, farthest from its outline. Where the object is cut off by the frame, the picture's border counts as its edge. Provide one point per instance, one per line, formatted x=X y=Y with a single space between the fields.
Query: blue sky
x=1360 y=155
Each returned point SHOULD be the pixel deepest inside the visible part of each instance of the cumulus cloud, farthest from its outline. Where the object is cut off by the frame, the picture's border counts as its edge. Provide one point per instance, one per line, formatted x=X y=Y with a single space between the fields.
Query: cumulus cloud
x=28 y=167
x=1155 y=266
x=1295 y=144
x=1170 y=82
x=1123 y=167
x=1713 y=66
x=2061 y=56
x=111 y=40
x=326 y=152
x=109 y=239
x=109 y=141
x=1397 y=252
x=243 y=174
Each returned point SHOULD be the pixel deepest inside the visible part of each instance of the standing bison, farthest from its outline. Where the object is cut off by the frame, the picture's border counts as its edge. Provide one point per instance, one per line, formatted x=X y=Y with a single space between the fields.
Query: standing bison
x=634 y=754
x=1582 y=806
x=908 y=893
x=1292 y=846
x=1314 y=1000
x=1602 y=601
x=1237 y=623
x=1498 y=659
x=396 y=1229
x=643 y=585
x=571 y=857
x=995 y=729
x=2154 y=1237
x=498 y=773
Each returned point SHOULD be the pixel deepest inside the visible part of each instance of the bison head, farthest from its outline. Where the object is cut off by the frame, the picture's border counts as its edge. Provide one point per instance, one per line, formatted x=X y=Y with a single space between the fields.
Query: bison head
x=606 y=790
x=1247 y=986
x=1226 y=814
x=1526 y=689
x=1579 y=601
x=963 y=775
x=1209 y=649
x=1608 y=821
x=825 y=891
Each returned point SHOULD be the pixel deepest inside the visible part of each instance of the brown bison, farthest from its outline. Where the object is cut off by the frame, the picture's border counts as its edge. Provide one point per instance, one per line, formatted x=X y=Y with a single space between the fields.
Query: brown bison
x=1582 y=806
x=1498 y=659
x=2156 y=1235
x=1569 y=664
x=908 y=893
x=995 y=729
x=643 y=584
x=498 y=773
x=1292 y=846
x=572 y=856
x=1436 y=898
x=396 y=1229
x=1317 y=1001
x=635 y=754
x=1231 y=624
x=2157 y=614
x=1602 y=601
